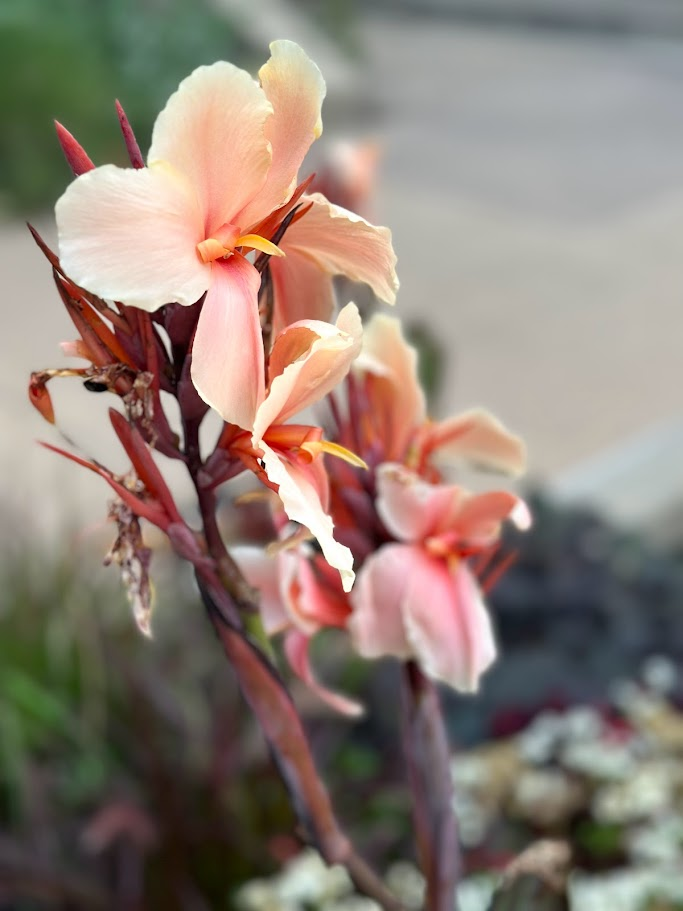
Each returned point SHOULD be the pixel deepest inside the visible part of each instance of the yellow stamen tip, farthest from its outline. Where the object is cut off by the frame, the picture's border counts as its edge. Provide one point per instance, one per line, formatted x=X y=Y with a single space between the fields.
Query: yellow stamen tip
x=315 y=447
x=256 y=242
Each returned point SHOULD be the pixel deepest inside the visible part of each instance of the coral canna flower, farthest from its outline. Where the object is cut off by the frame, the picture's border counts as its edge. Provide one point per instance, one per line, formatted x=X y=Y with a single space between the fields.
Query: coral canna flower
x=225 y=155
x=417 y=598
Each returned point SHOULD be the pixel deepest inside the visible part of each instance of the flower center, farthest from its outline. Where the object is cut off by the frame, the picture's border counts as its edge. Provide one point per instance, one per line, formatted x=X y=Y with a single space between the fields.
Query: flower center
x=225 y=240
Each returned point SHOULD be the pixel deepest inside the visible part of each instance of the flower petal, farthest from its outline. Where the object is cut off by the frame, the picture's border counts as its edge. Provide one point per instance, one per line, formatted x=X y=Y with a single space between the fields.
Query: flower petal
x=227 y=353
x=411 y=508
x=478 y=519
x=304 y=371
x=312 y=602
x=212 y=130
x=475 y=436
x=343 y=243
x=376 y=625
x=302 y=290
x=131 y=236
x=296 y=649
x=398 y=402
x=299 y=491
x=263 y=573
x=447 y=623
x=295 y=87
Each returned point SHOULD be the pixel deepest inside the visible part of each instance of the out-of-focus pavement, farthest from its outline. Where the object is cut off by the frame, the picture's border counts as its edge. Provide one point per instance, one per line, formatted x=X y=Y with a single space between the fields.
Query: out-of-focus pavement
x=534 y=184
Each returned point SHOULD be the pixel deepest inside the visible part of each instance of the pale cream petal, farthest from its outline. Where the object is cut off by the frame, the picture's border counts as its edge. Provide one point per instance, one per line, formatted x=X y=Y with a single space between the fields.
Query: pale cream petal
x=302 y=290
x=295 y=87
x=301 y=500
x=315 y=371
x=343 y=243
x=212 y=129
x=376 y=625
x=475 y=436
x=131 y=236
x=227 y=353
x=447 y=623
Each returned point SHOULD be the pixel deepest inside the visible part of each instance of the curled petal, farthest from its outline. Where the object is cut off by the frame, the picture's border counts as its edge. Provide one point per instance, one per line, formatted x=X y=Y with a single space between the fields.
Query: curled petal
x=413 y=509
x=376 y=624
x=295 y=87
x=447 y=623
x=475 y=436
x=296 y=649
x=227 y=353
x=212 y=130
x=397 y=397
x=343 y=243
x=130 y=235
x=299 y=491
x=307 y=361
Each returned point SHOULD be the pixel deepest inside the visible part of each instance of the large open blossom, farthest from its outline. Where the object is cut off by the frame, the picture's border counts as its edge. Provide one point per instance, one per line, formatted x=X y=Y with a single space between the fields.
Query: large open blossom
x=224 y=157
x=418 y=598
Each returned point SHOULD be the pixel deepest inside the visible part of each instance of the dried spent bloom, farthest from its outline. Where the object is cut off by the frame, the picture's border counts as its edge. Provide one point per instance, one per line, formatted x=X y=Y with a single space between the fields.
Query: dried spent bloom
x=224 y=158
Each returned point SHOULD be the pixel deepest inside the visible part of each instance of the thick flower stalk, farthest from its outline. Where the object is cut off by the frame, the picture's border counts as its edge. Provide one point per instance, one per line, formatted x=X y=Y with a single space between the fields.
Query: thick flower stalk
x=206 y=275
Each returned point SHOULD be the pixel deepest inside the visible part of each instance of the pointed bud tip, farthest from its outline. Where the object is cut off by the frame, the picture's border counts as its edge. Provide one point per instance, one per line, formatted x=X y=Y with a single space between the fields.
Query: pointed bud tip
x=76 y=156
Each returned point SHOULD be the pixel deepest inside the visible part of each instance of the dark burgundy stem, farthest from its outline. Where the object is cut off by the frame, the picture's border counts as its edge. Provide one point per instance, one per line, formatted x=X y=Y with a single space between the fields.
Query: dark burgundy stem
x=226 y=599
x=428 y=760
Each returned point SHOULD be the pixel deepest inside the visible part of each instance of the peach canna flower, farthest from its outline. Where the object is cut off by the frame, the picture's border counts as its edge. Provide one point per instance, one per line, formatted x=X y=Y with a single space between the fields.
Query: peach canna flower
x=308 y=359
x=418 y=598
x=225 y=155
x=396 y=411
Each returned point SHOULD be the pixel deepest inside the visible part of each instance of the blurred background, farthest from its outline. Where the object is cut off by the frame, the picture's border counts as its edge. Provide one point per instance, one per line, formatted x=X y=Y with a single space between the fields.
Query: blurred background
x=528 y=156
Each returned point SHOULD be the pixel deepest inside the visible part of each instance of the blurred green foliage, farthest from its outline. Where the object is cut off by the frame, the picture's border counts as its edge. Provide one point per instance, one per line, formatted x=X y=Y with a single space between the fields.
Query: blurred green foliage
x=129 y=771
x=69 y=59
